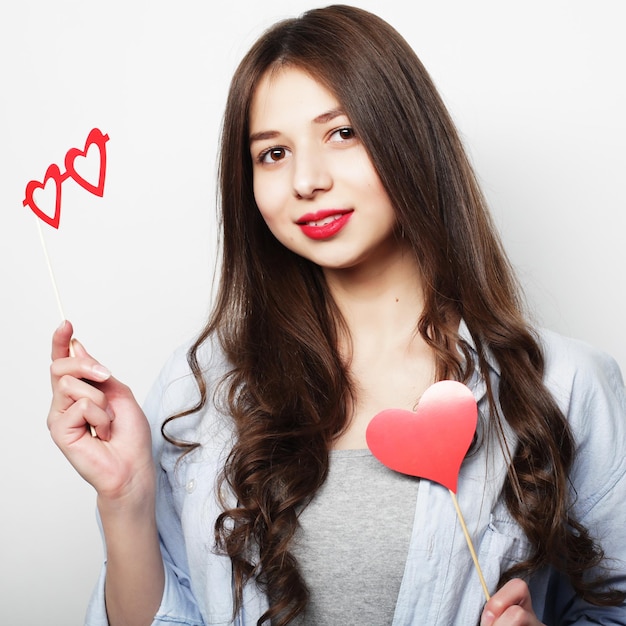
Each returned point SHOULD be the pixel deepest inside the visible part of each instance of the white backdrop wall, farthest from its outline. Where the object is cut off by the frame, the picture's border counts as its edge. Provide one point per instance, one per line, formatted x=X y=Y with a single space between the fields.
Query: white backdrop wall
x=537 y=89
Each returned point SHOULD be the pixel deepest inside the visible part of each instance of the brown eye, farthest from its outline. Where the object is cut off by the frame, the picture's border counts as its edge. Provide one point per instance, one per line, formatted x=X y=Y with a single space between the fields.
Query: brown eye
x=272 y=155
x=343 y=134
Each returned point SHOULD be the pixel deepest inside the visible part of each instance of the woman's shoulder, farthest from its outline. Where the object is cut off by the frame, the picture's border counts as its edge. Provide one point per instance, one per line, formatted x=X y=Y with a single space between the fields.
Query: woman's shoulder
x=176 y=390
x=577 y=366
x=587 y=384
x=209 y=355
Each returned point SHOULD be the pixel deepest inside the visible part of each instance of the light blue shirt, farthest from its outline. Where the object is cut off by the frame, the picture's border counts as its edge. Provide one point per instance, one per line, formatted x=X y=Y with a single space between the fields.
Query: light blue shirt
x=440 y=586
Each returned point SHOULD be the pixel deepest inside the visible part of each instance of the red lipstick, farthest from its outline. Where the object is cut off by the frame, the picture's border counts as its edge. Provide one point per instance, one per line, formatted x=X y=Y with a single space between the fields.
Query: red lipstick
x=324 y=224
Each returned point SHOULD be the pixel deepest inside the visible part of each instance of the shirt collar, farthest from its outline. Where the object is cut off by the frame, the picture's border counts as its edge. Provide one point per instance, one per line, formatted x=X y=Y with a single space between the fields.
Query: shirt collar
x=466 y=336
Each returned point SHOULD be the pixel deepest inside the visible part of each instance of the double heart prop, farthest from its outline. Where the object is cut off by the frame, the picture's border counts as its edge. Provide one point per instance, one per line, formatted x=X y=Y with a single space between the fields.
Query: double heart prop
x=55 y=177
x=431 y=442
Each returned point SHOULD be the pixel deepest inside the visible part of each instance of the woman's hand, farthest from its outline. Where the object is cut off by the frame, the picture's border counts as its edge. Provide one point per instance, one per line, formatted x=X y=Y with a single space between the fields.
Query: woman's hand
x=510 y=606
x=118 y=462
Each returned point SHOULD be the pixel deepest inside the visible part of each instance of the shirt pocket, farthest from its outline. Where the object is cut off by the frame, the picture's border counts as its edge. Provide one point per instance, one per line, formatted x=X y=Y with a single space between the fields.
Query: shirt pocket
x=504 y=544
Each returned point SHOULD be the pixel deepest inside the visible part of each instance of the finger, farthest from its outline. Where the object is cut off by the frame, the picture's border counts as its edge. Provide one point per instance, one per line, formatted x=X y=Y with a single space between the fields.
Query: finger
x=514 y=593
x=69 y=390
x=78 y=348
x=61 y=340
x=63 y=346
x=516 y=616
x=69 y=426
x=85 y=367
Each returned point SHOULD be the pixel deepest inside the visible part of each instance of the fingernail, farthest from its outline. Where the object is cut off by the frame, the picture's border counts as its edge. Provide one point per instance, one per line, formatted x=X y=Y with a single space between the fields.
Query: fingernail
x=61 y=325
x=487 y=618
x=110 y=413
x=101 y=372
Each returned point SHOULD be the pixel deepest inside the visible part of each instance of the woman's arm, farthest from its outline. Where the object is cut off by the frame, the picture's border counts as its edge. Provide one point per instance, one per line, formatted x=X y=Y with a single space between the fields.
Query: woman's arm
x=135 y=576
x=118 y=463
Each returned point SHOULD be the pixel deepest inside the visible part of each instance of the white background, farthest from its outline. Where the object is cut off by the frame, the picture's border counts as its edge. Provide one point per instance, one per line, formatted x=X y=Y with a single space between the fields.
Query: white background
x=536 y=87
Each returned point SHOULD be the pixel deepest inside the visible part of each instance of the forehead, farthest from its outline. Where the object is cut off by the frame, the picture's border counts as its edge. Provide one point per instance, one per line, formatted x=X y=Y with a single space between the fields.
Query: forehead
x=288 y=95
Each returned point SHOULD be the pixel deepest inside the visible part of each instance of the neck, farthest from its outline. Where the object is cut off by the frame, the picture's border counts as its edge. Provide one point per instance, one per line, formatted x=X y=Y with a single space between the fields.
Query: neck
x=390 y=364
x=381 y=301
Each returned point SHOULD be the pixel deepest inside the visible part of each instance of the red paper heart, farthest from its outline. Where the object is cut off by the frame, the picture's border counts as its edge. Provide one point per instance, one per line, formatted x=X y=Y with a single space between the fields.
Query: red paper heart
x=52 y=174
x=432 y=442
x=96 y=138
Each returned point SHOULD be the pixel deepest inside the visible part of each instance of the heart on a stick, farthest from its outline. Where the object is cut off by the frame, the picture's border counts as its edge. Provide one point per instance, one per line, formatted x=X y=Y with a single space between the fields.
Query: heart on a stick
x=431 y=442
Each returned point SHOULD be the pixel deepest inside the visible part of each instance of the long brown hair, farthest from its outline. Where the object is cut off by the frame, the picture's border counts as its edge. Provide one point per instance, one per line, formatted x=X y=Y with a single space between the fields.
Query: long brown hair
x=288 y=389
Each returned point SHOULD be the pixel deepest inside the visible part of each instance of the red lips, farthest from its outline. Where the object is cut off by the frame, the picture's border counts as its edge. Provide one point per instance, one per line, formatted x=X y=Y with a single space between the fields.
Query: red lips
x=324 y=224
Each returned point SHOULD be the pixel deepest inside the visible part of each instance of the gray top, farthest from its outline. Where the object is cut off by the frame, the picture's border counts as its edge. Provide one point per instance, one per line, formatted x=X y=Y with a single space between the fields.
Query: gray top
x=362 y=516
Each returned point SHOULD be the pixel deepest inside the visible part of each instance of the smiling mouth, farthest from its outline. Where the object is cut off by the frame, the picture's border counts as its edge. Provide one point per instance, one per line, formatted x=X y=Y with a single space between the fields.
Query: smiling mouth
x=322 y=218
x=324 y=224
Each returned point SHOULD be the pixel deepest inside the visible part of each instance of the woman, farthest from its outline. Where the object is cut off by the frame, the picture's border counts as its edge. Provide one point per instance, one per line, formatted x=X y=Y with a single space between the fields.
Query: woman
x=359 y=266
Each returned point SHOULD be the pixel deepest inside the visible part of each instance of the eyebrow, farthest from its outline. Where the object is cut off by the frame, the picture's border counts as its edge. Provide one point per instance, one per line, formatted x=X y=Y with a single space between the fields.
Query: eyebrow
x=322 y=118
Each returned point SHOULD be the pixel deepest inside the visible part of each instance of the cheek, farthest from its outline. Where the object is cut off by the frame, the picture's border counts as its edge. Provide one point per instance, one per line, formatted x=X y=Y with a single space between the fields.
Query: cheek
x=365 y=178
x=268 y=197
x=362 y=174
x=377 y=197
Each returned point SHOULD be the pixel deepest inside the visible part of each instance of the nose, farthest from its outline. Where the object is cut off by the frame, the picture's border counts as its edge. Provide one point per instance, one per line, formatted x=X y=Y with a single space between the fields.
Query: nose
x=311 y=175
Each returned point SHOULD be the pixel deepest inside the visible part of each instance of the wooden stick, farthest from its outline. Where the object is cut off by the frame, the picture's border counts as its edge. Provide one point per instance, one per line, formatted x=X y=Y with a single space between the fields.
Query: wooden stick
x=470 y=545
x=50 y=271
x=92 y=430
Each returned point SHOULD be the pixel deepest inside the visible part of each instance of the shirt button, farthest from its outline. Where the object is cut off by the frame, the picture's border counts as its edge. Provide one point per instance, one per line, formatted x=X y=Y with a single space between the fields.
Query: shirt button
x=190 y=486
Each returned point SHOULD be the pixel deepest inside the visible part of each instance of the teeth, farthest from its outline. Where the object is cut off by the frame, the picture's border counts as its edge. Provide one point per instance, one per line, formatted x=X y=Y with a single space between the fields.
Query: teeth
x=326 y=220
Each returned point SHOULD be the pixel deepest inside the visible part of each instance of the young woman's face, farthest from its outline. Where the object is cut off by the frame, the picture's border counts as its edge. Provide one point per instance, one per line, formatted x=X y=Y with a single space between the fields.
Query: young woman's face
x=314 y=183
